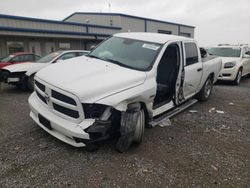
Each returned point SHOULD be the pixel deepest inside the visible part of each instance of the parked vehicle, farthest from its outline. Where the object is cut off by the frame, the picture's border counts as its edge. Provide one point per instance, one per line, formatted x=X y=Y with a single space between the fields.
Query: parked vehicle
x=129 y=81
x=20 y=57
x=235 y=60
x=22 y=75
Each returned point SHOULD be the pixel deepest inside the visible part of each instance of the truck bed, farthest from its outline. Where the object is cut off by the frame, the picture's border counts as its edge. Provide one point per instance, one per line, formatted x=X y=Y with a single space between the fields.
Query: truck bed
x=208 y=58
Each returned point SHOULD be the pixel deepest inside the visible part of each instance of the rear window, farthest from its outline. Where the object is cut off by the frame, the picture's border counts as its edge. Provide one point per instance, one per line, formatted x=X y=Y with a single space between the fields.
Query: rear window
x=191 y=53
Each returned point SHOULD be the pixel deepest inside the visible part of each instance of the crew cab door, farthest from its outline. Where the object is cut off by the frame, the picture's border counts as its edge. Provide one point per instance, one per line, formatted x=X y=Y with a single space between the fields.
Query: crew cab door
x=193 y=68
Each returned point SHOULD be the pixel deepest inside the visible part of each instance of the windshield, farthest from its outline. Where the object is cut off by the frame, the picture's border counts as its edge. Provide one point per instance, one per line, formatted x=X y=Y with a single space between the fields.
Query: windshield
x=225 y=52
x=48 y=58
x=128 y=53
x=7 y=58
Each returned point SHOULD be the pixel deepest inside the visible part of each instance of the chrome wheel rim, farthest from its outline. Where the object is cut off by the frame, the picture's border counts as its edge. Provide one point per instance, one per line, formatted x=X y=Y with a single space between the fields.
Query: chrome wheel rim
x=239 y=77
x=208 y=88
x=139 y=129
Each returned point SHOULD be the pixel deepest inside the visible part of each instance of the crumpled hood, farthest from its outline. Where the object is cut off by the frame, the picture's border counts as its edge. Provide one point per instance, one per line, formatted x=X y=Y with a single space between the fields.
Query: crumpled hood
x=91 y=79
x=25 y=67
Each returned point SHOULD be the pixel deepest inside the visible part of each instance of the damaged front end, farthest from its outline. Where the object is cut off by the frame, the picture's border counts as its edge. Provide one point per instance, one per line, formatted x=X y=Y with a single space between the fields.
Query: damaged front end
x=128 y=125
x=107 y=122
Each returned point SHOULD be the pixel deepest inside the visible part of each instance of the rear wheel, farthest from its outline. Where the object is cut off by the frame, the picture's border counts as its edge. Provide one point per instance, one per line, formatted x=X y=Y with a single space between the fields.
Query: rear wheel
x=206 y=90
x=238 y=78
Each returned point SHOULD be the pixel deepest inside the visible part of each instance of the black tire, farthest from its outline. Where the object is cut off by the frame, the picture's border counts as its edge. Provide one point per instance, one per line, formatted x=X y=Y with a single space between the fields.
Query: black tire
x=31 y=83
x=238 y=77
x=206 y=90
x=91 y=147
x=131 y=130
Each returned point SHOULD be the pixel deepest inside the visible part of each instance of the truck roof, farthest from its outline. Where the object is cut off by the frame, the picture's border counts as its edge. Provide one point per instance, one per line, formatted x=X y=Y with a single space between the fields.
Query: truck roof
x=151 y=37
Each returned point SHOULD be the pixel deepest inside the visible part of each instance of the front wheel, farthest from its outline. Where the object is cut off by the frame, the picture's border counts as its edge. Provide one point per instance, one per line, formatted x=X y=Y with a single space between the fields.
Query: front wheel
x=132 y=129
x=139 y=129
x=238 y=78
x=206 y=90
x=31 y=83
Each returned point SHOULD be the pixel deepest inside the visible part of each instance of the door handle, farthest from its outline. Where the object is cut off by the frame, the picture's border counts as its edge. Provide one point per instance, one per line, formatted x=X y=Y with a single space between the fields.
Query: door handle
x=199 y=69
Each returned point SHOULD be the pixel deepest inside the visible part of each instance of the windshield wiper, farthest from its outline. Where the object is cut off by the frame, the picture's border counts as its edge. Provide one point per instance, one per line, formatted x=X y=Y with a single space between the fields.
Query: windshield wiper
x=93 y=56
x=118 y=63
x=115 y=62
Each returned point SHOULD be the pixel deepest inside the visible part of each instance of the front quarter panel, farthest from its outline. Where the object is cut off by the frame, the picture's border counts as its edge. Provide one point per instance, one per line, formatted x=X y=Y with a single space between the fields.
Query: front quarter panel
x=144 y=93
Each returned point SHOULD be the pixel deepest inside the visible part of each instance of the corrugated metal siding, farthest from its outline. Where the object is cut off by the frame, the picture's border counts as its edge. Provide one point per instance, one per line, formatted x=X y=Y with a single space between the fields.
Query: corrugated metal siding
x=132 y=24
x=30 y=34
x=95 y=19
x=3 y=50
x=75 y=44
x=187 y=30
x=4 y=22
x=155 y=26
x=102 y=31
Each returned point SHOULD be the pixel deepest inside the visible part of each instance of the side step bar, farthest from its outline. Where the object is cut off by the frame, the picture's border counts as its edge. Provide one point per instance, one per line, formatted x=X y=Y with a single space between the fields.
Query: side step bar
x=172 y=113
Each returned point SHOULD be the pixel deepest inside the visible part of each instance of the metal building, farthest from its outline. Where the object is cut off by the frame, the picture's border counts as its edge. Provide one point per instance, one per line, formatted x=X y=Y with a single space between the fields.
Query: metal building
x=77 y=31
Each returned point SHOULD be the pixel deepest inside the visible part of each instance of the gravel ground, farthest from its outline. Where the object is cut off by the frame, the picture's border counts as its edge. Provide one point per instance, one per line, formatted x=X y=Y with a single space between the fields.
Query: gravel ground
x=202 y=149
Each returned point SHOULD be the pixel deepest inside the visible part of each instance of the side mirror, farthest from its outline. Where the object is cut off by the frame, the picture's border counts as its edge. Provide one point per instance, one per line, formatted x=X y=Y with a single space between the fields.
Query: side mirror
x=203 y=52
x=92 y=47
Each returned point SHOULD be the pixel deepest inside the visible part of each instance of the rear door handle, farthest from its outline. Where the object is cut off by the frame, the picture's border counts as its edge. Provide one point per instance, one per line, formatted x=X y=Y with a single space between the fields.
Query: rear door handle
x=199 y=69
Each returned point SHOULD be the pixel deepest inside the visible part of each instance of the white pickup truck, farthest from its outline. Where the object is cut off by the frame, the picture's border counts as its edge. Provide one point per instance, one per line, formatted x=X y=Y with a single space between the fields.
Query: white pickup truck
x=129 y=81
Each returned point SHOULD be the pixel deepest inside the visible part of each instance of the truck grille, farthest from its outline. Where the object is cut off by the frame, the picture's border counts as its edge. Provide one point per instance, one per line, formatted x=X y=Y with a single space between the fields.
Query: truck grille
x=64 y=104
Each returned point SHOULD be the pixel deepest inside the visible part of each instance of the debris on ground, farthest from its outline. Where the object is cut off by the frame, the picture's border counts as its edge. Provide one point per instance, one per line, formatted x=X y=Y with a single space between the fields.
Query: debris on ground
x=193 y=111
x=220 y=112
x=224 y=127
x=214 y=167
x=231 y=104
x=165 y=122
x=17 y=147
x=211 y=109
x=217 y=111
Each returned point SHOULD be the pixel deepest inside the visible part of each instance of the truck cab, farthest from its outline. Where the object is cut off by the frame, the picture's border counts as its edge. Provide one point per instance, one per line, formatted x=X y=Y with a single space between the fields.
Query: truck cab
x=125 y=84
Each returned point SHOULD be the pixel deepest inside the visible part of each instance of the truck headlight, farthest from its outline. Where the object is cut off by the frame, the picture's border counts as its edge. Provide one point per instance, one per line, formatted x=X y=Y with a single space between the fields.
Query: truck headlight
x=93 y=110
x=229 y=64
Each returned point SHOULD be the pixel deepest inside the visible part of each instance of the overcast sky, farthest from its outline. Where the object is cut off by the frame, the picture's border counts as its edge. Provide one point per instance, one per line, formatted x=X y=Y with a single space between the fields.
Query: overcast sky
x=216 y=21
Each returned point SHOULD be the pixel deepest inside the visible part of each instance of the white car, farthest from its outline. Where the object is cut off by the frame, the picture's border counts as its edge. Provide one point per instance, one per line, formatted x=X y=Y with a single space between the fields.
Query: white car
x=236 y=62
x=129 y=81
x=22 y=75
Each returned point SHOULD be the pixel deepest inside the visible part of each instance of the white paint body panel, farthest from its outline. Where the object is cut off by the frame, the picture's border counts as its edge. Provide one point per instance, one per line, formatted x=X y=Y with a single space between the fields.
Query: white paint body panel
x=240 y=62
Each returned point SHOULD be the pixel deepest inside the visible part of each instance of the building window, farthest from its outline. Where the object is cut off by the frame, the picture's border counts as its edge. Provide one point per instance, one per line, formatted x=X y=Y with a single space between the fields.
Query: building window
x=185 y=34
x=15 y=47
x=64 y=46
x=165 y=32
